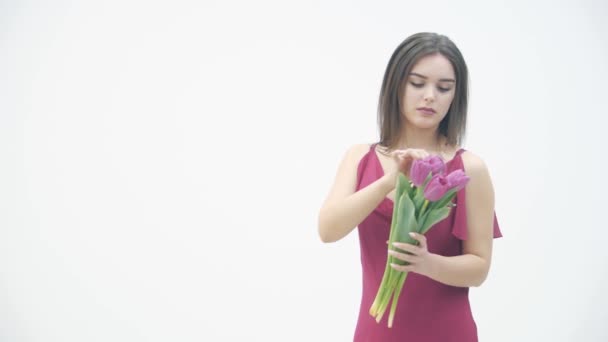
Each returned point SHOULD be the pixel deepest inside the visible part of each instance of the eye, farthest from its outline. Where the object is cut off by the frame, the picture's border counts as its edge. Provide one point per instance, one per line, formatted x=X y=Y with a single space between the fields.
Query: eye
x=417 y=85
x=443 y=90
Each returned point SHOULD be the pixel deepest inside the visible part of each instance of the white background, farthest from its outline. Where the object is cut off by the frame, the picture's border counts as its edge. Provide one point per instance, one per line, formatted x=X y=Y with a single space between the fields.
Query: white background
x=162 y=164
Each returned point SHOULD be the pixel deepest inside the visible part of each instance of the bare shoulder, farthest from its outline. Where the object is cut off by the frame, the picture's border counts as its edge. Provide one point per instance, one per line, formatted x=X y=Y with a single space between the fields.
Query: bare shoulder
x=353 y=156
x=345 y=181
x=473 y=163
x=475 y=167
x=359 y=149
x=355 y=152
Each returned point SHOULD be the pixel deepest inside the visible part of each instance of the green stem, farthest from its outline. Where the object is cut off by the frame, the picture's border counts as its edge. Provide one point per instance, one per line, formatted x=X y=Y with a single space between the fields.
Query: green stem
x=424 y=205
x=392 y=284
x=382 y=289
x=391 y=238
x=391 y=315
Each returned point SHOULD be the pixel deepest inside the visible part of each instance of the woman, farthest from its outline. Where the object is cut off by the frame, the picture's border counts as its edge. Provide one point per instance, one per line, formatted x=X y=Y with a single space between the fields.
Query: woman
x=422 y=111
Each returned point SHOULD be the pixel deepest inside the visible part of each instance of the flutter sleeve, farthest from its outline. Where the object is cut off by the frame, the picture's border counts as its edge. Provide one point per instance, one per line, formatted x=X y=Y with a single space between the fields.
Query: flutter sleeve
x=459 y=228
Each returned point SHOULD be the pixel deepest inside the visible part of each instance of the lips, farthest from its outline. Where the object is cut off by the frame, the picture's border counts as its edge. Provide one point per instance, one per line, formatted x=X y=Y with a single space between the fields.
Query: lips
x=426 y=110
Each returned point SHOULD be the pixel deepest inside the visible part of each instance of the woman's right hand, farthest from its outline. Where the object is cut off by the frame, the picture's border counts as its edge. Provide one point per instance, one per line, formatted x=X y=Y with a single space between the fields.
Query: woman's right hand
x=402 y=161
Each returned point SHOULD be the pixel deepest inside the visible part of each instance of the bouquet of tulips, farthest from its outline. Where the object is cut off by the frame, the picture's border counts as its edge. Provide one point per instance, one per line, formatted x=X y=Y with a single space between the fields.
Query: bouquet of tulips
x=419 y=203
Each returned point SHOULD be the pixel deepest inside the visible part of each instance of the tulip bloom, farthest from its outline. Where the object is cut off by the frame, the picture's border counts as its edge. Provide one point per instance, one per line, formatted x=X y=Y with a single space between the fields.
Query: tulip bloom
x=436 y=188
x=421 y=168
x=457 y=179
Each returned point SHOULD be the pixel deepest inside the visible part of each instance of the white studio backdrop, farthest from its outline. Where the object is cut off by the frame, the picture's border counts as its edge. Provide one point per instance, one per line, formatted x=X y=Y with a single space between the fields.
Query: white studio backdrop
x=163 y=163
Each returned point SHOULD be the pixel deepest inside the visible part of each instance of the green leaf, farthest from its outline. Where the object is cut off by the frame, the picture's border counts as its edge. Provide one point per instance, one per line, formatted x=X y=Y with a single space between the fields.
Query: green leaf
x=433 y=217
x=403 y=212
x=406 y=222
x=423 y=219
x=445 y=199
x=404 y=185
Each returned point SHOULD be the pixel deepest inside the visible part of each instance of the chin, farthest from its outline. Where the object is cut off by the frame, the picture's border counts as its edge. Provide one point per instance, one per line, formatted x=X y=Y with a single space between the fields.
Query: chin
x=425 y=123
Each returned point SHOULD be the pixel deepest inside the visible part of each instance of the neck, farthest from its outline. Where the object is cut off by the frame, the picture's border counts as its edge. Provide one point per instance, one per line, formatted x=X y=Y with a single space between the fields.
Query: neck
x=429 y=140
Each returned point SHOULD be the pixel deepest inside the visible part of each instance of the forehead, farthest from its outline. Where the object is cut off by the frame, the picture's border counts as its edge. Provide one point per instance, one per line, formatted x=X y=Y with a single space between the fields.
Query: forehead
x=434 y=66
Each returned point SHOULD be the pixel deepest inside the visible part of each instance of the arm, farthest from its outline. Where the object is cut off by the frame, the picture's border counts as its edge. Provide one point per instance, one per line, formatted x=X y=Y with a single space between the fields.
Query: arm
x=344 y=208
x=472 y=267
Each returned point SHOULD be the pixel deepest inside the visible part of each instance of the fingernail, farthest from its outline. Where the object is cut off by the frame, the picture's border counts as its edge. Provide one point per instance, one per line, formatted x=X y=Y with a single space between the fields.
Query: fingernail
x=412 y=235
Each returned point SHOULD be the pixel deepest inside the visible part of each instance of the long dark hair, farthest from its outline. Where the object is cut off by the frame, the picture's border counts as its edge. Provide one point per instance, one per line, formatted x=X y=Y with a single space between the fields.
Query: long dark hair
x=406 y=55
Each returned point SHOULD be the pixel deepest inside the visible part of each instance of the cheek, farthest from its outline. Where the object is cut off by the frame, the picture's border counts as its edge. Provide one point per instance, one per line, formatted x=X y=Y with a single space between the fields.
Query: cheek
x=411 y=94
x=446 y=100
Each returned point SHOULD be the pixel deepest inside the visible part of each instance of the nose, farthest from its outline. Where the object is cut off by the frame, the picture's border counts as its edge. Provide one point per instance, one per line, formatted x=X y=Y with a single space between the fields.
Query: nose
x=429 y=94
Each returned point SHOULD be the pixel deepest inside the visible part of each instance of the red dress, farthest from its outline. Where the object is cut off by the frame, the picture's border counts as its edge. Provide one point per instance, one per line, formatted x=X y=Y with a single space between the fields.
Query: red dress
x=428 y=311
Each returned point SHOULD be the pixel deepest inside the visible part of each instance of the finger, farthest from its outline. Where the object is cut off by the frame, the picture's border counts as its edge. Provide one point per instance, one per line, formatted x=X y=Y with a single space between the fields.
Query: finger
x=402 y=268
x=423 y=154
x=398 y=156
x=407 y=247
x=420 y=238
x=412 y=259
x=408 y=153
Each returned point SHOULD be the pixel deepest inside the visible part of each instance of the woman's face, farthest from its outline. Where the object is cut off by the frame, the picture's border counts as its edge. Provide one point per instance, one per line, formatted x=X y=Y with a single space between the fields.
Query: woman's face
x=430 y=84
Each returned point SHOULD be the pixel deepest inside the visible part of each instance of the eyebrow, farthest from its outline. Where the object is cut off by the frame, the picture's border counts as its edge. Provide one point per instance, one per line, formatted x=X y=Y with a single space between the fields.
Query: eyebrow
x=440 y=80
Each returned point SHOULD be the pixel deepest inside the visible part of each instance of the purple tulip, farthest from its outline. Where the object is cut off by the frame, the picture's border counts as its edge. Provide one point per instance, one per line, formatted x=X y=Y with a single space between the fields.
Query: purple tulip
x=457 y=179
x=437 y=187
x=437 y=164
x=422 y=167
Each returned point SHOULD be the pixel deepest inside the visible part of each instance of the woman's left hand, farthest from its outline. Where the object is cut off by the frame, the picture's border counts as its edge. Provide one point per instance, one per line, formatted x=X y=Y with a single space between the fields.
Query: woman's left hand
x=420 y=260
